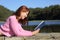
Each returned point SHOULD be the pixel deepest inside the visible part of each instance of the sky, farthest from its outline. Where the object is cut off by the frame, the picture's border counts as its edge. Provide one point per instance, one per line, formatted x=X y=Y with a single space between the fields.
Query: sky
x=15 y=4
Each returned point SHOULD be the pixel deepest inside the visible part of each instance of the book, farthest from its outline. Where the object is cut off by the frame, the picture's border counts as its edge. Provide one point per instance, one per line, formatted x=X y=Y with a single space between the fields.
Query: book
x=40 y=25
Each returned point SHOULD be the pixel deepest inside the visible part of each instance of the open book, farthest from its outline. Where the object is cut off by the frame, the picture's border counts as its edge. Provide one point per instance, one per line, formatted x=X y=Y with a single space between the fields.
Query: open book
x=40 y=25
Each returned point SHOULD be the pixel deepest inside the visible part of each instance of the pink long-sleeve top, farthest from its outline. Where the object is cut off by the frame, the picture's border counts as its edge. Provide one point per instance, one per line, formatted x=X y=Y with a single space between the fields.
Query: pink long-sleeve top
x=12 y=27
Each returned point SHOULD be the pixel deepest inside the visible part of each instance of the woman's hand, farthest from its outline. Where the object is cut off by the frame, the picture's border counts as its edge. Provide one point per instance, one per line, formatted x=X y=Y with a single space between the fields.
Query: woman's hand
x=36 y=31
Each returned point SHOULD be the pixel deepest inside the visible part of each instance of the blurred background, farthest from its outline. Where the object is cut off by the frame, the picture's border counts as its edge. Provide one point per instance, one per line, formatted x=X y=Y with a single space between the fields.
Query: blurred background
x=47 y=10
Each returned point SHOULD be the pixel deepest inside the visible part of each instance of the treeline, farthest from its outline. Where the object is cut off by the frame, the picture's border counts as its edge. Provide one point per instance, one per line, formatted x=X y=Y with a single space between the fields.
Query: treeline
x=4 y=13
x=48 y=13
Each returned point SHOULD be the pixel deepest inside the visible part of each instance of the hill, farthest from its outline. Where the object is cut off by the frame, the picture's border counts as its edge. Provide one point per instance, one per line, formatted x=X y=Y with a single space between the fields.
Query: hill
x=4 y=13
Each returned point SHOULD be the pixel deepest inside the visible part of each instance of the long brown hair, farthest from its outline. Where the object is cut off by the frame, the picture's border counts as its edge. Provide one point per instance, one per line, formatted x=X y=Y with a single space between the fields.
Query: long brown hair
x=18 y=12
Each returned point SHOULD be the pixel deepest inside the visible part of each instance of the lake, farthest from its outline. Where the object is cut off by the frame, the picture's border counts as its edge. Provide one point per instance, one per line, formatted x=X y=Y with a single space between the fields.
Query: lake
x=47 y=22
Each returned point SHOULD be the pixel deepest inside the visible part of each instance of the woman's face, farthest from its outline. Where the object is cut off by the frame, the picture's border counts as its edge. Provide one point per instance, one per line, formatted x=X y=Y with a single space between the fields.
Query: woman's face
x=23 y=15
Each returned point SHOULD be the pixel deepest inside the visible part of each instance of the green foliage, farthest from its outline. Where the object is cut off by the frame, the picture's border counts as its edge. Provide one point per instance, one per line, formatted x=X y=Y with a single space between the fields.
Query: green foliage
x=48 y=13
x=46 y=28
x=4 y=13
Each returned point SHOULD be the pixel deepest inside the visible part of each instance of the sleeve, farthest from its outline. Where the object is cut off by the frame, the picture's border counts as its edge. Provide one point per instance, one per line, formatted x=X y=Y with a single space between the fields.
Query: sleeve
x=18 y=31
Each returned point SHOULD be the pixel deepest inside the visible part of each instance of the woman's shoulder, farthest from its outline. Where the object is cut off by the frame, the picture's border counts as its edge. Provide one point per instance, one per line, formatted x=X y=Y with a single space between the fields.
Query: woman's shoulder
x=12 y=17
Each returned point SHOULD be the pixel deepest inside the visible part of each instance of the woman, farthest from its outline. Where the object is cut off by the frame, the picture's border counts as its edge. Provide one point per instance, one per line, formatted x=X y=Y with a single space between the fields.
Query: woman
x=12 y=26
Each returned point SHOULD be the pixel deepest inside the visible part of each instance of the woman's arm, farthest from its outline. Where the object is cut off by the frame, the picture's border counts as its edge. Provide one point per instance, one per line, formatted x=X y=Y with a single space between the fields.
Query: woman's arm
x=15 y=27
